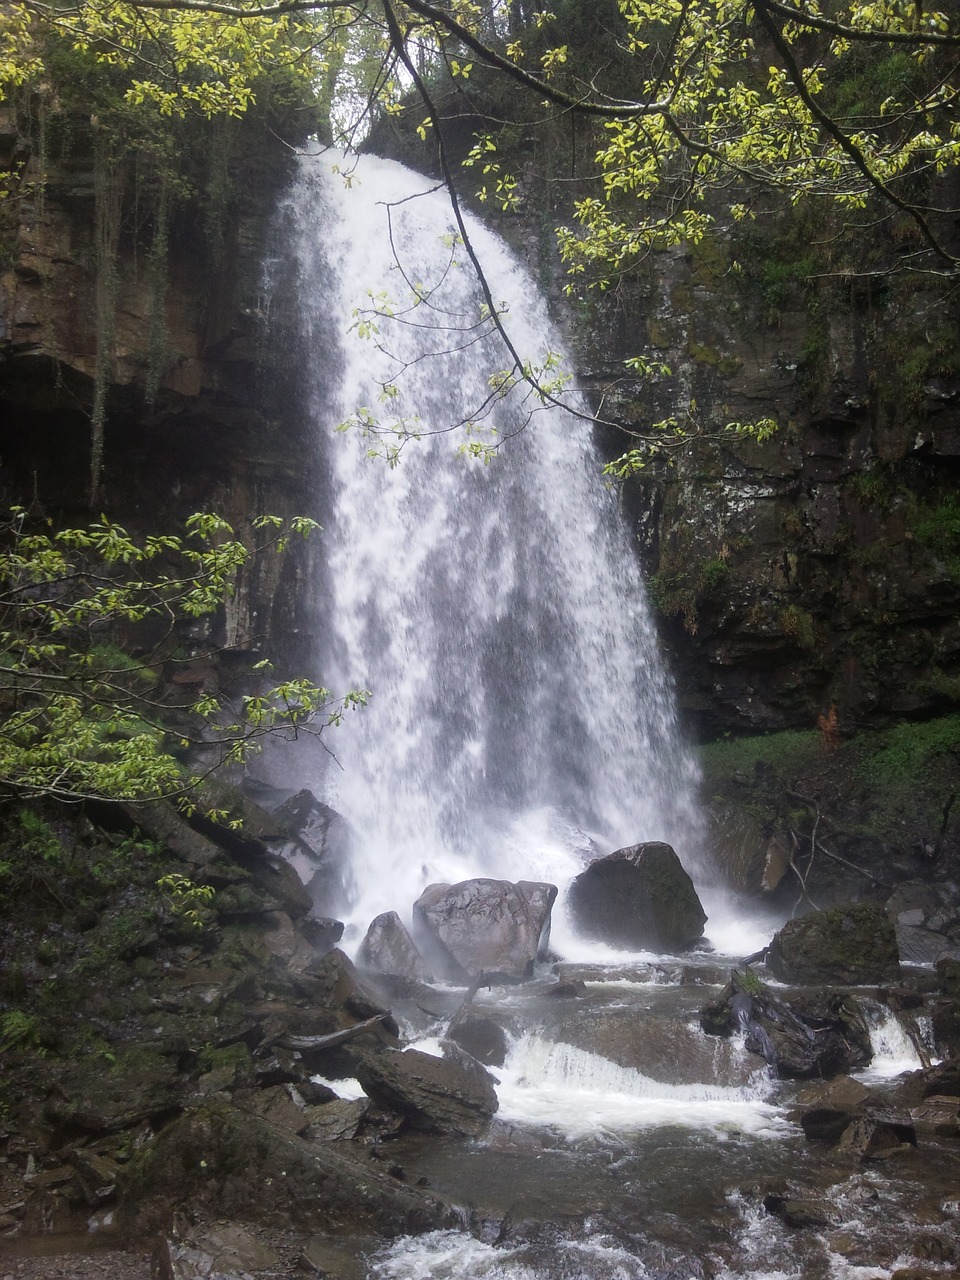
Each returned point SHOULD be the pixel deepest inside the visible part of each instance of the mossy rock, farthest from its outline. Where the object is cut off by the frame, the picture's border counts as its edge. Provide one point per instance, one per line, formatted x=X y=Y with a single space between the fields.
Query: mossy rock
x=851 y=946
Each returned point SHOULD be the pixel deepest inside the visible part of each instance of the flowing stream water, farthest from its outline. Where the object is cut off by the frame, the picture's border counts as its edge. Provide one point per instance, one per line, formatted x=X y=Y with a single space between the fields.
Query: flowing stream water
x=521 y=722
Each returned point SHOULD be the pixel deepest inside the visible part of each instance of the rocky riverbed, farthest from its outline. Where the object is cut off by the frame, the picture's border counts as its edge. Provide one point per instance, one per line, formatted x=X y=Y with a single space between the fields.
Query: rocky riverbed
x=207 y=1079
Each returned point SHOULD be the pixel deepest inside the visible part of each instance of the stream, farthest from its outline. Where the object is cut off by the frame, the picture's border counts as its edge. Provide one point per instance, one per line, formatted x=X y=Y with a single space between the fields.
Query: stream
x=628 y=1145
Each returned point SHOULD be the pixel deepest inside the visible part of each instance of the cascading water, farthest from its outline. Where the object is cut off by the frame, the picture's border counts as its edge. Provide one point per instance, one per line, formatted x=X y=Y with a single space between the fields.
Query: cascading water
x=519 y=708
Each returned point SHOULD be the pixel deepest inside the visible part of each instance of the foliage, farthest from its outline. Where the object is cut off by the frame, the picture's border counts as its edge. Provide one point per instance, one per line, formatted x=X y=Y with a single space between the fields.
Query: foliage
x=893 y=784
x=785 y=753
x=796 y=623
x=84 y=719
x=20 y=1030
x=937 y=527
x=678 y=591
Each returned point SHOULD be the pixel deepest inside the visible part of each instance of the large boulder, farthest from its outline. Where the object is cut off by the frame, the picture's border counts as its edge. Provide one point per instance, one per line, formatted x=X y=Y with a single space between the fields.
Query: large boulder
x=927 y=921
x=852 y=946
x=388 y=948
x=434 y=1095
x=221 y=1161
x=489 y=927
x=639 y=897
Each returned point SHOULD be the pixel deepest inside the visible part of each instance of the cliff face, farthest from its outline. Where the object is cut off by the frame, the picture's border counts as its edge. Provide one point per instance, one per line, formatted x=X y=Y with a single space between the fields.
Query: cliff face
x=820 y=569
x=817 y=573
x=221 y=433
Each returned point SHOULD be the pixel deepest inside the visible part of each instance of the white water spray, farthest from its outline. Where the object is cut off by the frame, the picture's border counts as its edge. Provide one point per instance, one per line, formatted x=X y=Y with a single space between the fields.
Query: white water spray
x=519 y=708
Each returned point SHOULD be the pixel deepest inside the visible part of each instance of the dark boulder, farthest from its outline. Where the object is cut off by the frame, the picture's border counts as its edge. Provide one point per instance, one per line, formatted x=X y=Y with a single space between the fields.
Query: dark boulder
x=481 y=1037
x=639 y=897
x=851 y=946
x=824 y=1111
x=820 y=1034
x=433 y=1094
x=388 y=948
x=877 y=1137
x=489 y=927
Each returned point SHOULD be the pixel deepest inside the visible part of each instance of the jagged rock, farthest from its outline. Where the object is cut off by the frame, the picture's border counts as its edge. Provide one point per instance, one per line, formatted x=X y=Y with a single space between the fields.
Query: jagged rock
x=873 y=1137
x=802 y=1212
x=926 y=918
x=824 y=1111
x=220 y=1161
x=638 y=897
x=317 y=841
x=851 y=946
x=388 y=948
x=754 y=858
x=140 y=1084
x=435 y=1095
x=336 y=1121
x=322 y=932
x=944 y=1078
x=821 y=1034
x=937 y=1116
x=225 y=1251
x=332 y=981
x=160 y=820
x=489 y=927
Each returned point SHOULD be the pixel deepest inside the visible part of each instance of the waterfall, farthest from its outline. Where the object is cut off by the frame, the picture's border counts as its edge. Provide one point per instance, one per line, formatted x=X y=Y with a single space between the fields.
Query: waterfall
x=520 y=719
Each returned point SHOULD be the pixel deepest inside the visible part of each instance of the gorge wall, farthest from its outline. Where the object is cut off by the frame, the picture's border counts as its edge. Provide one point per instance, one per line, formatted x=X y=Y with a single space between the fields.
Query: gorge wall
x=222 y=431
x=817 y=573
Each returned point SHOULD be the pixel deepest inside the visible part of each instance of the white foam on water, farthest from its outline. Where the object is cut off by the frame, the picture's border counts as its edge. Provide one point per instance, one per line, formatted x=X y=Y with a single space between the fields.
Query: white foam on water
x=583 y=1095
x=894 y=1053
x=453 y=1255
x=349 y=1090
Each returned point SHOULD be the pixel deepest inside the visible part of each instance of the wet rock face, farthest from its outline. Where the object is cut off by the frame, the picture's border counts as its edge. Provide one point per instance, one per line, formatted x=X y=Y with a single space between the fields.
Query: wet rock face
x=230 y=1162
x=813 y=1035
x=388 y=949
x=850 y=946
x=433 y=1094
x=481 y=926
x=639 y=897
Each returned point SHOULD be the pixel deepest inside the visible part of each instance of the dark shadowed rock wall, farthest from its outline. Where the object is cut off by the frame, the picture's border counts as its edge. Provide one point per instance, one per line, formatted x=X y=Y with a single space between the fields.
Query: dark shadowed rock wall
x=224 y=432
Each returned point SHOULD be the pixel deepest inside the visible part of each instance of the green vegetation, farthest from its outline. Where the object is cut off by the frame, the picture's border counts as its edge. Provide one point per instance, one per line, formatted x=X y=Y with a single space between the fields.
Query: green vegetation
x=679 y=591
x=784 y=753
x=937 y=526
x=796 y=623
x=85 y=719
x=890 y=785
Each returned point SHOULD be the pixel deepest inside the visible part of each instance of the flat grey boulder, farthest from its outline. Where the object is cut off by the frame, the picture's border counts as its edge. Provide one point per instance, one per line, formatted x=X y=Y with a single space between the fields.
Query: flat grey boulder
x=489 y=927
x=434 y=1095
x=638 y=897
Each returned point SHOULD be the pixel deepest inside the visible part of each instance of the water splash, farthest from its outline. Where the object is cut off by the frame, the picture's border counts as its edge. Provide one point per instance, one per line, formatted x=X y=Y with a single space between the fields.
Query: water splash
x=583 y=1095
x=521 y=718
